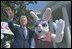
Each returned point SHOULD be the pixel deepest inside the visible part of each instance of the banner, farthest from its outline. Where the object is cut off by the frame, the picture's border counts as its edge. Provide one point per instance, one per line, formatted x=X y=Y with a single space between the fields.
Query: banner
x=5 y=29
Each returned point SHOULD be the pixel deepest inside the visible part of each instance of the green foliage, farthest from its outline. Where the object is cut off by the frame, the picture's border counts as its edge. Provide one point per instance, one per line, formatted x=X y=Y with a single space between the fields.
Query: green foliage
x=19 y=8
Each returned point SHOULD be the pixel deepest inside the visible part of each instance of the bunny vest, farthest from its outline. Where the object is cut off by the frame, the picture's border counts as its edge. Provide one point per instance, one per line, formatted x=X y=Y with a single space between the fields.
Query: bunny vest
x=46 y=43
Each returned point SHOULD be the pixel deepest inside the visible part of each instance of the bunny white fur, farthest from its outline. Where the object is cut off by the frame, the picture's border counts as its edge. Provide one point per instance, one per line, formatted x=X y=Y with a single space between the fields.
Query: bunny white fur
x=41 y=26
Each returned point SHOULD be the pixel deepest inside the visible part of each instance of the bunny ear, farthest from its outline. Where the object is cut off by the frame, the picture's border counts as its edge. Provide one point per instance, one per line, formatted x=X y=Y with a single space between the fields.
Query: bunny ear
x=47 y=14
x=34 y=15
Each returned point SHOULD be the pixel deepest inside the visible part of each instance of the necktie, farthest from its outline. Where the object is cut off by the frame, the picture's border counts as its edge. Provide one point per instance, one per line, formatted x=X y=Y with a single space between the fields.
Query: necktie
x=26 y=38
x=25 y=32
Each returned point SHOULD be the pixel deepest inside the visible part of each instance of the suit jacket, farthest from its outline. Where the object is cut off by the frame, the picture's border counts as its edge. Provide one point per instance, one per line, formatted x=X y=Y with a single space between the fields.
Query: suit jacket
x=19 y=39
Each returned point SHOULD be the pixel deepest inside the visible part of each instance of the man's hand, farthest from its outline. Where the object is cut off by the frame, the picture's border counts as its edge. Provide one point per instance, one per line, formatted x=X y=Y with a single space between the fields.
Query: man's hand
x=9 y=12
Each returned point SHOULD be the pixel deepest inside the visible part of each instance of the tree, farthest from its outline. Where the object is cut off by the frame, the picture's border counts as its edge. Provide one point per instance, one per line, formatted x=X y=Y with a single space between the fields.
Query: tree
x=19 y=8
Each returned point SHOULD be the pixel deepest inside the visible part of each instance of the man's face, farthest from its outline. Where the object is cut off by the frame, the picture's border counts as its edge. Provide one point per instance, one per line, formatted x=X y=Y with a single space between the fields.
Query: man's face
x=23 y=20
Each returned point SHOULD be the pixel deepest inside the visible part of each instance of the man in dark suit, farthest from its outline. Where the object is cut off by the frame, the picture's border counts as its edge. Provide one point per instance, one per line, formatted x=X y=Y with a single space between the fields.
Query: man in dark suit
x=22 y=34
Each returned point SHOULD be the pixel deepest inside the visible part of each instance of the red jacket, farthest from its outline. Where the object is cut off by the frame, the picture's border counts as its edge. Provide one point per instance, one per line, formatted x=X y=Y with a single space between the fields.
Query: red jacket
x=47 y=43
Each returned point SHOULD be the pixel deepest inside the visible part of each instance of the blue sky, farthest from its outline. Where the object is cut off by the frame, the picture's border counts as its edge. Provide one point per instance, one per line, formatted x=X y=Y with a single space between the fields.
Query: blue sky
x=39 y=6
x=36 y=7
